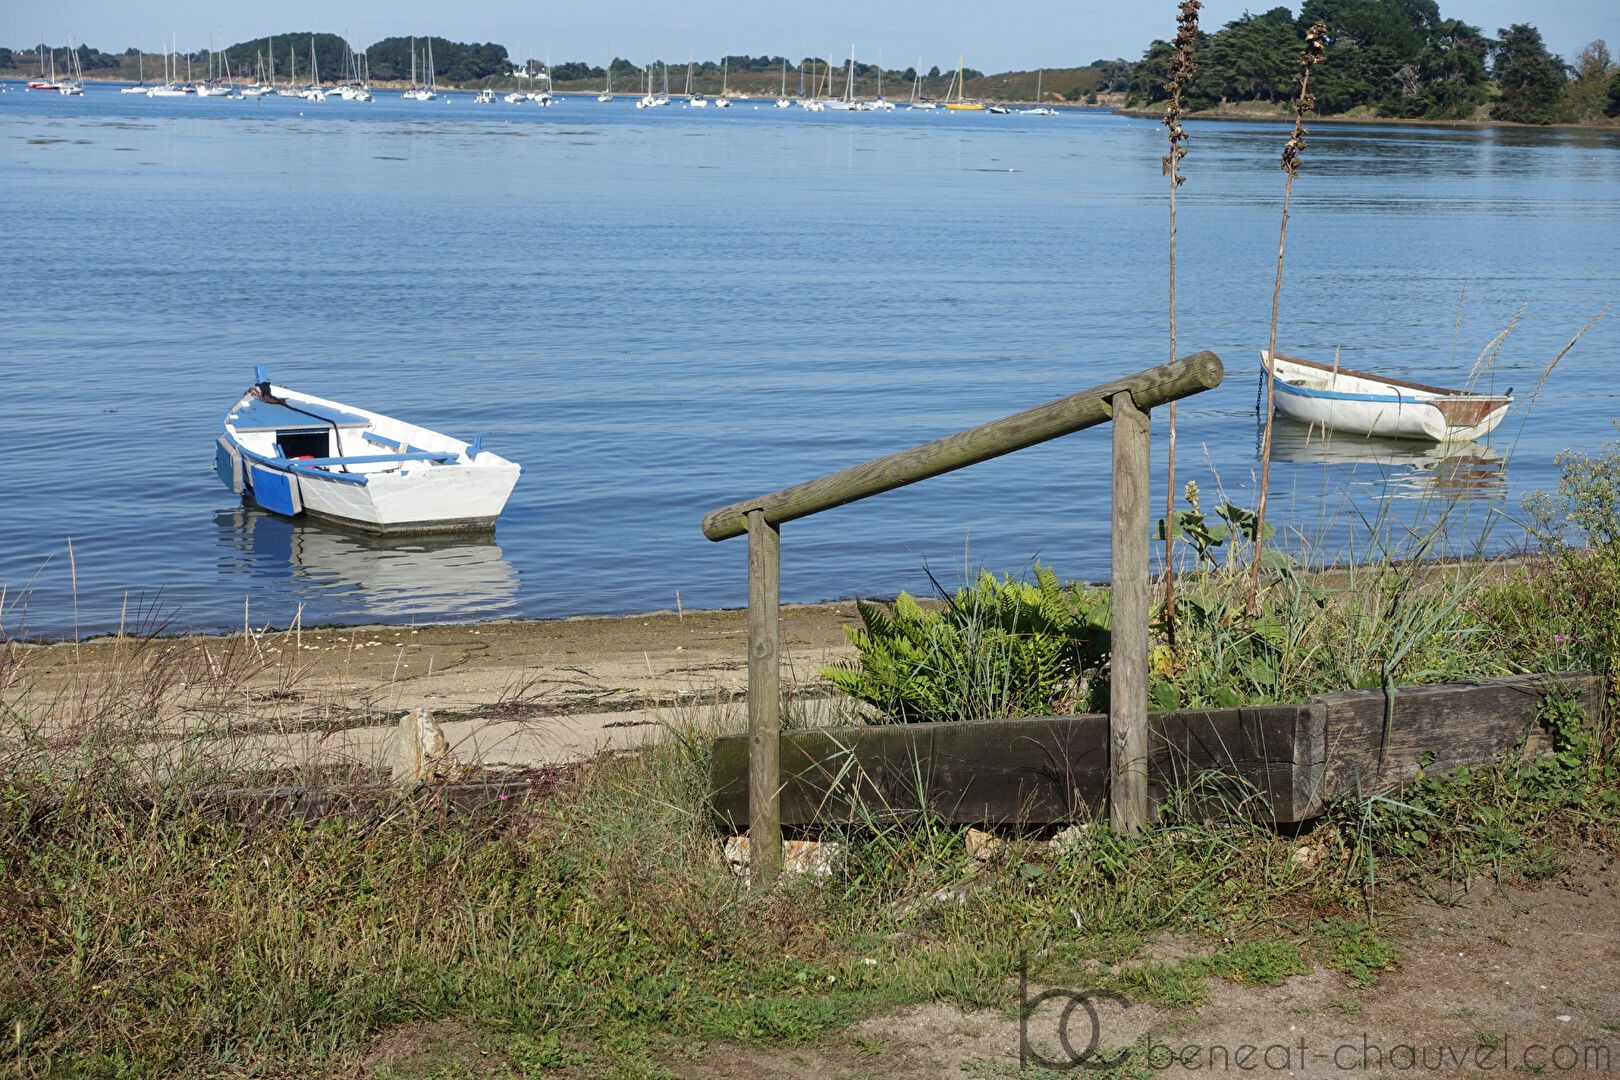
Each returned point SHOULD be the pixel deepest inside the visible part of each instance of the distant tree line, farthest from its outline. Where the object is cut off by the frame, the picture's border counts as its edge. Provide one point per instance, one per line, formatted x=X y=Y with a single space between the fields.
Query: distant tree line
x=386 y=60
x=1390 y=58
x=294 y=53
x=89 y=59
x=453 y=61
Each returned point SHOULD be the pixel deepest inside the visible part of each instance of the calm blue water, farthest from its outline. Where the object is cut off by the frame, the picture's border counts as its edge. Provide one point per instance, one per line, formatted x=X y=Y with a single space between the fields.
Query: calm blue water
x=657 y=312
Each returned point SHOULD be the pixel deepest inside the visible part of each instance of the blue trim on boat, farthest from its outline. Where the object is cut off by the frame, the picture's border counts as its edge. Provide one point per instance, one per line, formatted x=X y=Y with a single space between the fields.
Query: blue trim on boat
x=300 y=468
x=377 y=459
x=1333 y=395
x=377 y=440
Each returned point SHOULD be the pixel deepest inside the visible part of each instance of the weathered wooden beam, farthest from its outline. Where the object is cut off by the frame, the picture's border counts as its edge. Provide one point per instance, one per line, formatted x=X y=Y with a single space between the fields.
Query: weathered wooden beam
x=1030 y=770
x=1128 y=658
x=1155 y=386
x=1447 y=725
x=1281 y=763
x=764 y=699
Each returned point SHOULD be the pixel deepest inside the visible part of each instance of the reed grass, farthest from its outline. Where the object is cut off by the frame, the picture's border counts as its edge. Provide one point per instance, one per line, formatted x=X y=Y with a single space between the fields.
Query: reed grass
x=1314 y=51
x=1183 y=66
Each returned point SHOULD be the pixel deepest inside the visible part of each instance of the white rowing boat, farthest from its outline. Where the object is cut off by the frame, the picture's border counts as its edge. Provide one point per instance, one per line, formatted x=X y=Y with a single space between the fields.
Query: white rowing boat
x=295 y=454
x=1344 y=400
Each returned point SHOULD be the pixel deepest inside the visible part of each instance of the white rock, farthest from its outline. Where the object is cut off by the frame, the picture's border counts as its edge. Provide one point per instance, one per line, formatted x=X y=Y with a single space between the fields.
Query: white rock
x=981 y=846
x=808 y=858
x=1075 y=840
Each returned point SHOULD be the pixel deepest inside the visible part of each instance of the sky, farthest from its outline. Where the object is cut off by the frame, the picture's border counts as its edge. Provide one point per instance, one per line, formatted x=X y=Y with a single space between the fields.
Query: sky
x=1029 y=35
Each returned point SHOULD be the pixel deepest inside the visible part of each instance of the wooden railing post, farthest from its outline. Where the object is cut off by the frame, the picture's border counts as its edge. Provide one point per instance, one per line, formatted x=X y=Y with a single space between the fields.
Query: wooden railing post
x=1128 y=668
x=764 y=700
x=1125 y=402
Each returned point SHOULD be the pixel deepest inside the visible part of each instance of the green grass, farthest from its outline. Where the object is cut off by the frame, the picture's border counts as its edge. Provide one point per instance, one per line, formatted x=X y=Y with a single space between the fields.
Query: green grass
x=601 y=933
x=1357 y=949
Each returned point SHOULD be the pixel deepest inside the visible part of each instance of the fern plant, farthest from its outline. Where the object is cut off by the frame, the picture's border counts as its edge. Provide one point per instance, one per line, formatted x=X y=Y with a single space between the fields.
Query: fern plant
x=1001 y=647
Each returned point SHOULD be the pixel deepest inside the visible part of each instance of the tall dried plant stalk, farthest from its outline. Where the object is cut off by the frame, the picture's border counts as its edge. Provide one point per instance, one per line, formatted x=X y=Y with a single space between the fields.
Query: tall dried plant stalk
x=1183 y=66
x=1312 y=55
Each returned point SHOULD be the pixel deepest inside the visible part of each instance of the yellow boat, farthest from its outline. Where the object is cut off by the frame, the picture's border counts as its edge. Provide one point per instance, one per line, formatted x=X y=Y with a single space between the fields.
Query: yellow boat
x=960 y=105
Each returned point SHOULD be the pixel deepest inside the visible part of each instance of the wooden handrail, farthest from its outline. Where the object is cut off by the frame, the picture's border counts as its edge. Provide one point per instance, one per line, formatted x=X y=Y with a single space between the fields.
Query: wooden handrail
x=1155 y=386
x=1126 y=402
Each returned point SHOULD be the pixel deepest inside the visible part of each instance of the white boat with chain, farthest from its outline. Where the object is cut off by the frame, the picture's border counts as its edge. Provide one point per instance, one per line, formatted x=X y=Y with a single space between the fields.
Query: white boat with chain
x=296 y=454
x=1340 y=399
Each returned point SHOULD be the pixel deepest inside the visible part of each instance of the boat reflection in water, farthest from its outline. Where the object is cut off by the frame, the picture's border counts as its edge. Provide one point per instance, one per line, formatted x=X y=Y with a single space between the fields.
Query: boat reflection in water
x=1406 y=468
x=334 y=574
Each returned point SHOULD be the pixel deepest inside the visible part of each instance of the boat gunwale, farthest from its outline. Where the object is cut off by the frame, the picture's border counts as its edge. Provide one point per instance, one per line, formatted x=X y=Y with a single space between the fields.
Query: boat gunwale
x=345 y=416
x=1342 y=395
x=1438 y=391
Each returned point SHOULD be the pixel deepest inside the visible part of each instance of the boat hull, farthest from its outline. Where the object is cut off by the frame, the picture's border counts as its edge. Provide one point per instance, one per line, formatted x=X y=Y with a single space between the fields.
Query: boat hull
x=445 y=499
x=297 y=455
x=1345 y=400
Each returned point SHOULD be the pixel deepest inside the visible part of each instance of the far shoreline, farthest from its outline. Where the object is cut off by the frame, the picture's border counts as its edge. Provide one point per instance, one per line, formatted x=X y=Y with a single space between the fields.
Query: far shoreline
x=1279 y=115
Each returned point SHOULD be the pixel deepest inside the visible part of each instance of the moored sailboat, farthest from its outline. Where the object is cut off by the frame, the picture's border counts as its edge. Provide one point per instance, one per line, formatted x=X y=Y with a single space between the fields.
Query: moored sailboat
x=44 y=80
x=782 y=101
x=918 y=103
x=419 y=91
x=724 y=100
x=139 y=87
x=960 y=103
x=848 y=103
x=1040 y=109
x=171 y=87
x=73 y=85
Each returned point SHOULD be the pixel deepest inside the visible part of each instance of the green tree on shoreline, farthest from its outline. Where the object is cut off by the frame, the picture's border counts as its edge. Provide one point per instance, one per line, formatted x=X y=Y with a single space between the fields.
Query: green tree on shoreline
x=1589 y=95
x=1450 y=80
x=1254 y=57
x=1370 y=45
x=1390 y=58
x=1530 y=78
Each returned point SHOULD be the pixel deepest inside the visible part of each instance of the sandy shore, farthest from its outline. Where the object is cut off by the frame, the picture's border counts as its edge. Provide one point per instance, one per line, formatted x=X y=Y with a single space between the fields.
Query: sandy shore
x=506 y=693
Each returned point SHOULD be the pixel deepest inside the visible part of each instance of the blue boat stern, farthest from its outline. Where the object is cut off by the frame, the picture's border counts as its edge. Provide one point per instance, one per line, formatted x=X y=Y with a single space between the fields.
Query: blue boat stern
x=277 y=491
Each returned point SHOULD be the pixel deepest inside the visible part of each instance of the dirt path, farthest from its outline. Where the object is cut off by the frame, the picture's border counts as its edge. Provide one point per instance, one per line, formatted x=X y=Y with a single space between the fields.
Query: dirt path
x=1507 y=981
